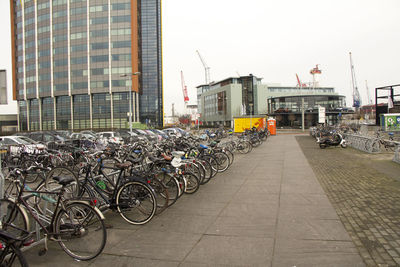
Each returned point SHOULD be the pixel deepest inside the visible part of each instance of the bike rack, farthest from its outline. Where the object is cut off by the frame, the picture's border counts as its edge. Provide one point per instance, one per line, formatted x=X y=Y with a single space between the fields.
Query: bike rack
x=363 y=143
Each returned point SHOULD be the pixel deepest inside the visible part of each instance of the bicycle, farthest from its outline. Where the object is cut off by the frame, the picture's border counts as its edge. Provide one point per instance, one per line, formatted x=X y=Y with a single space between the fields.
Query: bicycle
x=77 y=225
x=10 y=253
x=130 y=196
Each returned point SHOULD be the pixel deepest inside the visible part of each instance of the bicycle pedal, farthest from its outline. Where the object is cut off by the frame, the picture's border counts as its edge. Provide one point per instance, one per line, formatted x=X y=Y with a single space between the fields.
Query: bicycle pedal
x=42 y=251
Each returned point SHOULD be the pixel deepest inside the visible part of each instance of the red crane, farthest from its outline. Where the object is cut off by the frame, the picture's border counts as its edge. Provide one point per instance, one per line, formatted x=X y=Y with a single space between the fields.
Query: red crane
x=184 y=90
x=301 y=85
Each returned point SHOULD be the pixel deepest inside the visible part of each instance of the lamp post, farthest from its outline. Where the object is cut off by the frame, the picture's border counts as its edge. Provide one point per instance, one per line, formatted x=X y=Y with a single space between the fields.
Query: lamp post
x=130 y=99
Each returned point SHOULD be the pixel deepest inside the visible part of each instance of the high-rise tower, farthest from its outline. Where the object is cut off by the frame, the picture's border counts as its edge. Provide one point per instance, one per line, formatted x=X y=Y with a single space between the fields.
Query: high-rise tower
x=73 y=62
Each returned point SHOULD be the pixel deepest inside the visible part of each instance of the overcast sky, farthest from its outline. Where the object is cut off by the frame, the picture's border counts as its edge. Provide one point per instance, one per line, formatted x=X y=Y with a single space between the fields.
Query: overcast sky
x=272 y=39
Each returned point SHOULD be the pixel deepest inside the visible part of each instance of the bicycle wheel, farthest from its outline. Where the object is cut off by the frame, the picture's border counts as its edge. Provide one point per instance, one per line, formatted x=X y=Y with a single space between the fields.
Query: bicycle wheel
x=136 y=202
x=230 y=155
x=80 y=231
x=172 y=186
x=223 y=161
x=13 y=218
x=31 y=176
x=214 y=164
x=162 y=194
x=73 y=187
x=207 y=170
x=10 y=254
x=244 y=147
x=195 y=169
x=192 y=182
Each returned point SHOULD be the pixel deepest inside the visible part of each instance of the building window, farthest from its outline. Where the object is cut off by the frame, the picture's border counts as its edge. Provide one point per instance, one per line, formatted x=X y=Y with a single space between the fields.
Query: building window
x=63 y=112
x=81 y=112
x=120 y=109
x=34 y=115
x=102 y=58
x=101 y=111
x=48 y=113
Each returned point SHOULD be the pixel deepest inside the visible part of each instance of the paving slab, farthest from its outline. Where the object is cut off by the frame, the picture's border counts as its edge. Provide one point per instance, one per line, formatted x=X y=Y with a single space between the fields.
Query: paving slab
x=267 y=209
x=232 y=250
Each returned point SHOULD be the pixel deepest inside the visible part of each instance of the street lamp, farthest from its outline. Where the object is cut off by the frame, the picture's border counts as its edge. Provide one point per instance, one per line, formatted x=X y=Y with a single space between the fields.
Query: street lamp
x=130 y=99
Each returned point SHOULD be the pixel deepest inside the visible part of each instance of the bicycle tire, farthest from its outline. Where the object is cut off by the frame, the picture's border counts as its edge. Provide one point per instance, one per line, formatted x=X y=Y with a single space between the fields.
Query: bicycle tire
x=192 y=182
x=64 y=171
x=80 y=230
x=207 y=170
x=131 y=205
x=214 y=164
x=14 y=219
x=9 y=253
x=172 y=186
x=223 y=161
x=230 y=155
x=162 y=194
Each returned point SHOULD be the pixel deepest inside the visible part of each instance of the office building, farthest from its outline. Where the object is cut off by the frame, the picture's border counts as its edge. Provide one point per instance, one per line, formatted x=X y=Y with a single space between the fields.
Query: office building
x=233 y=97
x=74 y=60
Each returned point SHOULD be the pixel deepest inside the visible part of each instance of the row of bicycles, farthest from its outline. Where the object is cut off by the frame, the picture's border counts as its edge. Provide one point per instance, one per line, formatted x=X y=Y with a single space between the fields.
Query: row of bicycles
x=61 y=195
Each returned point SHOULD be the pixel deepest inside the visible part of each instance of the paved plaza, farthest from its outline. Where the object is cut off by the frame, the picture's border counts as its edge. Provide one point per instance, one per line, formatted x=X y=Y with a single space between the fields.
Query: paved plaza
x=287 y=203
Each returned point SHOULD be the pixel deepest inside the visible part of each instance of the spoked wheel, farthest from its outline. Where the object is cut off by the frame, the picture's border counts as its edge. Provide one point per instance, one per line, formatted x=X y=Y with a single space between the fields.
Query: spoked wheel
x=223 y=161
x=162 y=194
x=81 y=231
x=192 y=182
x=136 y=202
x=10 y=254
x=172 y=186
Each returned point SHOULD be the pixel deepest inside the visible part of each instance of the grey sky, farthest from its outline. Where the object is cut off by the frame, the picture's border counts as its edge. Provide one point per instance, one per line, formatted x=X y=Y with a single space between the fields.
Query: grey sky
x=273 y=39
x=277 y=39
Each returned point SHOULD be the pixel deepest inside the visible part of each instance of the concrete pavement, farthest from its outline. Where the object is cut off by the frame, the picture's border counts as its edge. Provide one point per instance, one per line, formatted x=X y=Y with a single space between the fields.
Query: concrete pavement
x=268 y=209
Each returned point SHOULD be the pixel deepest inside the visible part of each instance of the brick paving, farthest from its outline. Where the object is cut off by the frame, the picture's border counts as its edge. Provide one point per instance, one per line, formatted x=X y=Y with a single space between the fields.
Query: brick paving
x=366 y=198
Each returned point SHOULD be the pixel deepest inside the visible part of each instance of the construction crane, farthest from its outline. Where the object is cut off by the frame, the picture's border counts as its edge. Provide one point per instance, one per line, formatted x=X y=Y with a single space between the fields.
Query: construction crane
x=356 y=93
x=206 y=68
x=299 y=83
x=368 y=93
x=184 y=91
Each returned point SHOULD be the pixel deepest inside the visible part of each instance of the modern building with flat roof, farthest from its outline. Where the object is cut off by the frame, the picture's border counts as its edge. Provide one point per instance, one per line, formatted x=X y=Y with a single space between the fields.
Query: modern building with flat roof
x=74 y=60
x=233 y=97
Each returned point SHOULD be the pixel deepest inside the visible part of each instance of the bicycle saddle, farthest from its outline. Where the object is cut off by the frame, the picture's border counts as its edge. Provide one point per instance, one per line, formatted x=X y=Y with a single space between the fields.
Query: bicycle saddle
x=64 y=180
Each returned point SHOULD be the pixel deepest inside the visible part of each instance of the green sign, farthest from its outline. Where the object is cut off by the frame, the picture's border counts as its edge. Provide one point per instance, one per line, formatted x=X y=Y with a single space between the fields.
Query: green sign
x=391 y=122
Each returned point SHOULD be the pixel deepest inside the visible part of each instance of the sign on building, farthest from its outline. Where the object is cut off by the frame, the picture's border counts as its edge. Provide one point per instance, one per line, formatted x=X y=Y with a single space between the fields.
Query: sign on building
x=321 y=114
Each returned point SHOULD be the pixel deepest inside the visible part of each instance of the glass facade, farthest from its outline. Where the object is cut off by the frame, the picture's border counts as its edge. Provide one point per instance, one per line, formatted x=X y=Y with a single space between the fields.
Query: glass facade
x=287 y=110
x=81 y=111
x=289 y=104
x=121 y=109
x=63 y=112
x=48 y=113
x=69 y=54
x=151 y=106
x=101 y=111
x=34 y=118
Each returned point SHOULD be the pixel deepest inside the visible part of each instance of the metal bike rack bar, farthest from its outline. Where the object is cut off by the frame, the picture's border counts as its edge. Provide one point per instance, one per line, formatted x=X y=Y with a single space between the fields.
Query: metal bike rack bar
x=396 y=157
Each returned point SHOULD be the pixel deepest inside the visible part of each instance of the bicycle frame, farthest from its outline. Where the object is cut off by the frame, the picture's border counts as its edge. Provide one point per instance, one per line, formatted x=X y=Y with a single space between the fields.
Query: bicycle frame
x=89 y=178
